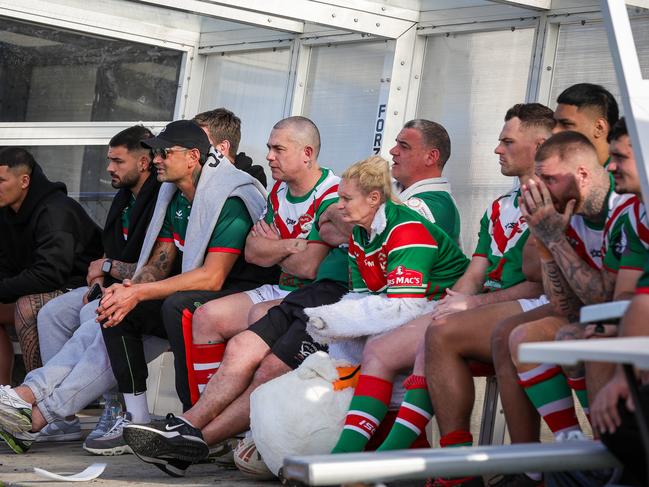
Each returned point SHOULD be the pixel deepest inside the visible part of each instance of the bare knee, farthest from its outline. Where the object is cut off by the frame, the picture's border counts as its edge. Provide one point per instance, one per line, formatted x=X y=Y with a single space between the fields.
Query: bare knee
x=245 y=348
x=237 y=345
x=516 y=338
x=376 y=361
x=438 y=334
x=500 y=342
x=204 y=327
x=569 y=332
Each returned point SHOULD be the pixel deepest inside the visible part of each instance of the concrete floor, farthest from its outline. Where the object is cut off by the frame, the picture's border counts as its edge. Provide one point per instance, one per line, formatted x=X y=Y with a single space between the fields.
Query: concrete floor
x=69 y=457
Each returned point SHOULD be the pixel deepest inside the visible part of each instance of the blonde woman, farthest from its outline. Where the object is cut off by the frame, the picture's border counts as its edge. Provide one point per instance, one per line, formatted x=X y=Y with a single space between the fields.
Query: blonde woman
x=398 y=263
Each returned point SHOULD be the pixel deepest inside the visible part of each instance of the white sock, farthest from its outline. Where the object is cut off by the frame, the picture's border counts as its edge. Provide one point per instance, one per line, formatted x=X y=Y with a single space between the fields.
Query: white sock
x=186 y=421
x=136 y=405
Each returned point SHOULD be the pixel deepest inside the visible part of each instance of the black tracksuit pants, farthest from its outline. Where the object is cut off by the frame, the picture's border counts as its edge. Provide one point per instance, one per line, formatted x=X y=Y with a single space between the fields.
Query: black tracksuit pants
x=161 y=318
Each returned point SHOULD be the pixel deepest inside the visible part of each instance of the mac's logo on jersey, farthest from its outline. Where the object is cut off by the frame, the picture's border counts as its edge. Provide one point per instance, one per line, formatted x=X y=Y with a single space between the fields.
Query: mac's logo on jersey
x=402 y=276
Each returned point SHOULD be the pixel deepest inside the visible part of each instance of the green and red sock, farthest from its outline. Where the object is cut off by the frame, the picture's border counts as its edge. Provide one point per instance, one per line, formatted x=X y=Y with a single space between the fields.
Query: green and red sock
x=413 y=416
x=454 y=439
x=547 y=388
x=366 y=411
x=578 y=385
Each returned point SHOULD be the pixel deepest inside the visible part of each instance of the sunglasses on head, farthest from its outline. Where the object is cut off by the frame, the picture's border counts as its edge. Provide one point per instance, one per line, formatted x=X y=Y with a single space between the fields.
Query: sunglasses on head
x=163 y=153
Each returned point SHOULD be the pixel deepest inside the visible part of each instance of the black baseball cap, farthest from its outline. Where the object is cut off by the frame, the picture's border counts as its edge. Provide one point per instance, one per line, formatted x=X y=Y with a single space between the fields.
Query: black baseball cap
x=184 y=133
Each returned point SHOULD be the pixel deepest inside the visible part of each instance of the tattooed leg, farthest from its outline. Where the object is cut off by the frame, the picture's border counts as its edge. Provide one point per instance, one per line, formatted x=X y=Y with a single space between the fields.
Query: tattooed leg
x=27 y=309
x=6 y=348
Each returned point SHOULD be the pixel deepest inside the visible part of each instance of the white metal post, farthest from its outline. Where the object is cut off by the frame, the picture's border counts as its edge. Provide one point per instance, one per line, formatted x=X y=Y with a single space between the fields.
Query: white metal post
x=301 y=78
x=399 y=84
x=634 y=89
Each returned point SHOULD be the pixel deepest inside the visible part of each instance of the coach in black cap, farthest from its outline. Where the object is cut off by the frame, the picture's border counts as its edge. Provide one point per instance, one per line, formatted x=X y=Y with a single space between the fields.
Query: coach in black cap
x=184 y=262
x=180 y=135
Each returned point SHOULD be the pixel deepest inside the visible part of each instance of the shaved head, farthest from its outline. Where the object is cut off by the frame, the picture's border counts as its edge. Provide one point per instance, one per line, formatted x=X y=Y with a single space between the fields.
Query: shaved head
x=571 y=147
x=303 y=131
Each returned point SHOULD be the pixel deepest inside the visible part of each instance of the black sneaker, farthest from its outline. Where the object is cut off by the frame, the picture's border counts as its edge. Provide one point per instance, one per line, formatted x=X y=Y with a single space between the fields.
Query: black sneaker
x=171 y=445
x=170 y=466
x=514 y=480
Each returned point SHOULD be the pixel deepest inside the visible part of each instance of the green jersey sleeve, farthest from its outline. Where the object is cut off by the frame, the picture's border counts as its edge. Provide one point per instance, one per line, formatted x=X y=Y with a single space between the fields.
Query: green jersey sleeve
x=231 y=229
x=484 y=239
x=642 y=287
x=314 y=234
x=443 y=208
x=269 y=216
x=166 y=232
x=634 y=255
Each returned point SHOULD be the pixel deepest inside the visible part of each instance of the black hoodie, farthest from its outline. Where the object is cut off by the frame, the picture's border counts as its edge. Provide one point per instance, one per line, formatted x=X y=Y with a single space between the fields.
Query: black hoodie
x=48 y=244
x=244 y=162
x=113 y=237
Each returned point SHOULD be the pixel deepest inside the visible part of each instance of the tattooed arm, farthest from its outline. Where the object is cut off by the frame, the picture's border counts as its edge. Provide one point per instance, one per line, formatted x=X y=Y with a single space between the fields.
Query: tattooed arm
x=159 y=265
x=590 y=285
x=549 y=226
x=558 y=291
x=150 y=283
x=119 y=299
x=122 y=270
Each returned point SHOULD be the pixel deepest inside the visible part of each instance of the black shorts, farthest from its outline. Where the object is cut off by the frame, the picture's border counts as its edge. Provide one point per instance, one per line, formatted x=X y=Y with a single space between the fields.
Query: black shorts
x=284 y=327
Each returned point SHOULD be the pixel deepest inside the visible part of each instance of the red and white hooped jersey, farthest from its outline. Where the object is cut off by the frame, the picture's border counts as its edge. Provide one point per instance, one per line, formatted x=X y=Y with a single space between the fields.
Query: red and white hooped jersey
x=587 y=239
x=295 y=217
x=640 y=222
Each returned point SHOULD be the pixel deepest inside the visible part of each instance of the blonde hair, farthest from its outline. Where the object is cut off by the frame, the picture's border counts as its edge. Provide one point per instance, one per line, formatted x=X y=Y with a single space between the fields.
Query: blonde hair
x=371 y=174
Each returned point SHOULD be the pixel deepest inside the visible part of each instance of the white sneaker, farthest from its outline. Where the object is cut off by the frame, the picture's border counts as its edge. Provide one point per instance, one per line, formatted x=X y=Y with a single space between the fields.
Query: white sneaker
x=572 y=435
x=61 y=430
x=15 y=414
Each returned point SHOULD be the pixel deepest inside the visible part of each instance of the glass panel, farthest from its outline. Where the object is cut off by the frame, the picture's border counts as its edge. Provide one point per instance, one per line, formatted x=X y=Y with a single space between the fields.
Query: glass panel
x=468 y=83
x=254 y=86
x=343 y=94
x=49 y=74
x=83 y=170
x=583 y=56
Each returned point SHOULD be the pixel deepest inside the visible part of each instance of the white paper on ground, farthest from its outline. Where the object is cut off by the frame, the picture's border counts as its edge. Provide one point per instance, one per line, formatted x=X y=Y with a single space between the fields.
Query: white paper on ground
x=92 y=472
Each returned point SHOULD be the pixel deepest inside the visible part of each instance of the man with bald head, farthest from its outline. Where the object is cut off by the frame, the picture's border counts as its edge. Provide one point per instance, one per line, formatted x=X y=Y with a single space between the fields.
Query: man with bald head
x=288 y=235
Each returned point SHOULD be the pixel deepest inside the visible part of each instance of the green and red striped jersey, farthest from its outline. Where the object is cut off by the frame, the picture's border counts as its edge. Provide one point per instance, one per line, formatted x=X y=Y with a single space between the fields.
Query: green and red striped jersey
x=502 y=236
x=406 y=256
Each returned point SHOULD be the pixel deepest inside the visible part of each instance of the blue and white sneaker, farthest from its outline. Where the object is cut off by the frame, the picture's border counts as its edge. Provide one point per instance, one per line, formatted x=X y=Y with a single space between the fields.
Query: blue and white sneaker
x=111 y=443
x=112 y=411
x=61 y=430
x=15 y=414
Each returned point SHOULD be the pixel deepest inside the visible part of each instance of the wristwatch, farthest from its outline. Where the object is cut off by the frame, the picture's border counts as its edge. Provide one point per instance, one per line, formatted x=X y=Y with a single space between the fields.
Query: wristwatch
x=107 y=266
